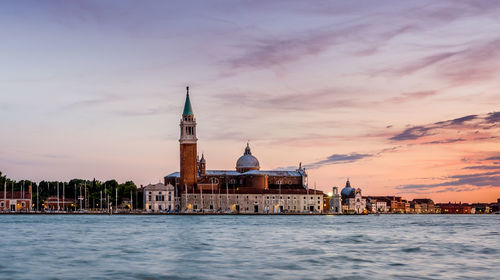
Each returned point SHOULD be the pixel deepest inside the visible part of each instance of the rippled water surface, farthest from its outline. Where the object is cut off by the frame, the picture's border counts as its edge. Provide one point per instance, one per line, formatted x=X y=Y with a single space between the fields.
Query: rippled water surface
x=251 y=247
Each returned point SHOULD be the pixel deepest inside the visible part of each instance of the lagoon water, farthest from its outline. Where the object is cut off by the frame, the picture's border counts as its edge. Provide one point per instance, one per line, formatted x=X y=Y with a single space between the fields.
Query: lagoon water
x=249 y=247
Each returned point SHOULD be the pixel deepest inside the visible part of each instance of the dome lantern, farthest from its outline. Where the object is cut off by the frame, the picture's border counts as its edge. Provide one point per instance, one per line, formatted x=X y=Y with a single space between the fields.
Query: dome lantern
x=247 y=161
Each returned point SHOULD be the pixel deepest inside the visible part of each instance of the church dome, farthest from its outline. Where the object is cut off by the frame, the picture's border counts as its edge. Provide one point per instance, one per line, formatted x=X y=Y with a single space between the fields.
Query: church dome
x=348 y=191
x=247 y=162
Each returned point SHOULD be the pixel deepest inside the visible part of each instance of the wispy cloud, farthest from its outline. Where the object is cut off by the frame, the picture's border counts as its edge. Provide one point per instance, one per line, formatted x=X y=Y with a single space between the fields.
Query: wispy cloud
x=338 y=159
x=92 y=102
x=474 y=62
x=483 y=167
x=493 y=158
x=478 y=180
x=267 y=52
x=409 y=96
x=146 y=112
x=445 y=141
x=473 y=123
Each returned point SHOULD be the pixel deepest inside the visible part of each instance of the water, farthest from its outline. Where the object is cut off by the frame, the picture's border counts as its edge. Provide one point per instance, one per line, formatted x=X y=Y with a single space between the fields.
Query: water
x=250 y=247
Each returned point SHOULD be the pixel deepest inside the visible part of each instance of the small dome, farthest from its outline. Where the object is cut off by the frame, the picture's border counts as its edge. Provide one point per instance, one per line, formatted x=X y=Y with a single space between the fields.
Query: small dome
x=348 y=191
x=247 y=162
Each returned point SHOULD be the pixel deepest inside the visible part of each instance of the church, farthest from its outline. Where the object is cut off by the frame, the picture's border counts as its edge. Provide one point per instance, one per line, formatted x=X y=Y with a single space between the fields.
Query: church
x=245 y=189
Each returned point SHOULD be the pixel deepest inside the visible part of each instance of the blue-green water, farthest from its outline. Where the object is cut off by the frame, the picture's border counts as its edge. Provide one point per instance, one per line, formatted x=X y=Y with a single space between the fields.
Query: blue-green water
x=250 y=247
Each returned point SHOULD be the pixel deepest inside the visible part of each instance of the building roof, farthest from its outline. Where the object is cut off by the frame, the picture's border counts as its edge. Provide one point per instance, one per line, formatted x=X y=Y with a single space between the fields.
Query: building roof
x=14 y=195
x=423 y=200
x=251 y=191
x=157 y=187
x=290 y=173
x=173 y=175
x=222 y=172
x=187 y=105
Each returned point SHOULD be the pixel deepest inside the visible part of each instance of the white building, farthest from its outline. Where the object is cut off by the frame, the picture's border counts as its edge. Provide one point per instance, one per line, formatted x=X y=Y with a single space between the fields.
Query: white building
x=352 y=200
x=268 y=203
x=159 y=198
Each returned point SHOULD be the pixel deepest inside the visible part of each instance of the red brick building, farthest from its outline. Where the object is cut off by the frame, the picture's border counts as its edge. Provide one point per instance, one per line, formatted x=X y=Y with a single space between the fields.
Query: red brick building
x=54 y=204
x=455 y=208
x=15 y=201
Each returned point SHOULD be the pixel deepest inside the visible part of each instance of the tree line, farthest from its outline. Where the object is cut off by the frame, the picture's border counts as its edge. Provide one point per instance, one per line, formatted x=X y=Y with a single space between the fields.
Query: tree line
x=90 y=190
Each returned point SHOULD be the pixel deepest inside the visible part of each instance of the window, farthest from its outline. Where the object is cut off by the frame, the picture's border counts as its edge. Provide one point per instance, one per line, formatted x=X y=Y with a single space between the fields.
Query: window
x=1 y=204
x=159 y=193
x=149 y=197
x=159 y=207
x=149 y=192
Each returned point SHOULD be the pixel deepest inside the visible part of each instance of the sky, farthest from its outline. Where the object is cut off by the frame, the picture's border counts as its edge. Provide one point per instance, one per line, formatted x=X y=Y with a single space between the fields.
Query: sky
x=402 y=97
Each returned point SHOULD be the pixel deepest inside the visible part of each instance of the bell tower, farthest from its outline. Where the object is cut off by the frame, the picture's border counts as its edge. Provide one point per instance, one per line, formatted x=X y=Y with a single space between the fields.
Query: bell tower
x=188 y=150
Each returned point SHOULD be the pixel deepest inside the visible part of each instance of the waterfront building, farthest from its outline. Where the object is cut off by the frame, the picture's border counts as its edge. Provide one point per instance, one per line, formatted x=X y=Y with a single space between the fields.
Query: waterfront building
x=159 y=198
x=455 y=208
x=398 y=205
x=393 y=204
x=53 y=203
x=335 y=202
x=352 y=199
x=15 y=201
x=246 y=189
x=422 y=206
x=376 y=205
x=495 y=207
x=480 y=208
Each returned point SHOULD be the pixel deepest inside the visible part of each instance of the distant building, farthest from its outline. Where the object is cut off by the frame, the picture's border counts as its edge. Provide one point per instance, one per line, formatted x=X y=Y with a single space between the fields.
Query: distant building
x=422 y=206
x=376 y=205
x=455 y=208
x=54 y=204
x=159 y=198
x=15 y=201
x=481 y=208
x=496 y=206
x=352 y=200
x=246 y=189
x=335 y=201
x=393 y=204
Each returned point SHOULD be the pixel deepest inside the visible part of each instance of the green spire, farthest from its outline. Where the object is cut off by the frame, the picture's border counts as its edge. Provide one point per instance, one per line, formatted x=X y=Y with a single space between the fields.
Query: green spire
x=187 y=106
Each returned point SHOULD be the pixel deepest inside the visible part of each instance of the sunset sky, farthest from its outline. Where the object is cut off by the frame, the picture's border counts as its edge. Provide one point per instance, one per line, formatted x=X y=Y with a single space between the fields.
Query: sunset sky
x=402 y=97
